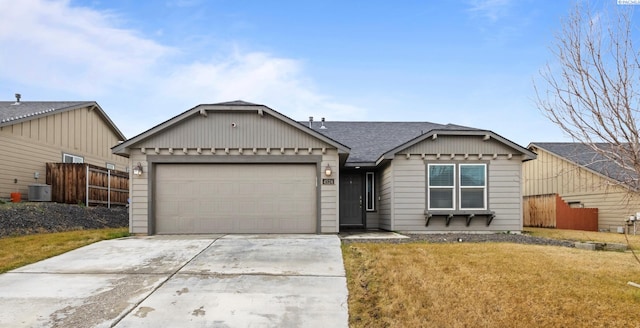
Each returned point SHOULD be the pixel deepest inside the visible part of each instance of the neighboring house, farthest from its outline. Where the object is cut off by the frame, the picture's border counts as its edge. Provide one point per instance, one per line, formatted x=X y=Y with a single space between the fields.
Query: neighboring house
x=583 y=179
x=238 y=167
x=33 y=133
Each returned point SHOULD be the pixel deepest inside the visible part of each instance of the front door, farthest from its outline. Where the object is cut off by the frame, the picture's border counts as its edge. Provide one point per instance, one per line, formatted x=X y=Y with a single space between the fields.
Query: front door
x=351 y=202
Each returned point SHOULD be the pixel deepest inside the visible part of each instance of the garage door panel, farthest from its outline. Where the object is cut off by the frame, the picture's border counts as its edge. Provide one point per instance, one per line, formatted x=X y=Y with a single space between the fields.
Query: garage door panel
x=235 y=198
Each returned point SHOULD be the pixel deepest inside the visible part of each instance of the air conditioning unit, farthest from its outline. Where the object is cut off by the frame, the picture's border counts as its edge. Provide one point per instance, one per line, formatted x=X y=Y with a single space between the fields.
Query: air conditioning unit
x=39 y=193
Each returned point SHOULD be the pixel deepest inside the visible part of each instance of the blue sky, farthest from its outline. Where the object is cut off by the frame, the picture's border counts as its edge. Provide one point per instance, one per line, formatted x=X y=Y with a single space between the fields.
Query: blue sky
x=467 y=62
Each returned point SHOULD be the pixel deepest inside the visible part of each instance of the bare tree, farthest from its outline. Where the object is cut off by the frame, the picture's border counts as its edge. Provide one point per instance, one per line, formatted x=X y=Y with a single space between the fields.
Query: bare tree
x=591 y=90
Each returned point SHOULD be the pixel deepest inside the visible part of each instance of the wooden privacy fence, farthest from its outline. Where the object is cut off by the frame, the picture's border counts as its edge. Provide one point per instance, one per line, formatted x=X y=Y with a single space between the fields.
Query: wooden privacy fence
x=74 y=183
x=550 y=211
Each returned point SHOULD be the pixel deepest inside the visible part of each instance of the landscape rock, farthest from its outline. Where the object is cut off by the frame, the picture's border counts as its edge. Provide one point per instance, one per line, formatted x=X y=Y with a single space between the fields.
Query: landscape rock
x=26 y=218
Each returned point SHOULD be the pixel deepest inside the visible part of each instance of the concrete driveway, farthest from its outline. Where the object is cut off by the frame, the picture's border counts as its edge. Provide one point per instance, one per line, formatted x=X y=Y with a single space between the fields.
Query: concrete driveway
x=183 y=281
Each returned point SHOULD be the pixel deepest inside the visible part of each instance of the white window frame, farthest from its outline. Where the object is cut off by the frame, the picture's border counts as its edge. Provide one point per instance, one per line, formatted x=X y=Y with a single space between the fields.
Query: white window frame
x=370 y=206
x=484 y=187
x=453 y=187
x=74 y=158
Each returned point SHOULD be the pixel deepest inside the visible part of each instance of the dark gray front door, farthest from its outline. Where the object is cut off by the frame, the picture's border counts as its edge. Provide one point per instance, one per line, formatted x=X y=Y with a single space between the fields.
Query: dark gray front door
x=351 y=202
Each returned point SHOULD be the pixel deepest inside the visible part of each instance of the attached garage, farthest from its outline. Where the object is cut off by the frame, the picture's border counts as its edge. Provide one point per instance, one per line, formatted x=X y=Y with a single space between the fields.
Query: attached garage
x=232 y=167
x=235 y=198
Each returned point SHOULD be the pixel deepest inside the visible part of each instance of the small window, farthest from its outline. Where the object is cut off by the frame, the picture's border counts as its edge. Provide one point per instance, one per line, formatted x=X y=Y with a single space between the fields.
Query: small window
x=68 y=158
x=111 y=166
x=370 y=192
x=441 y=186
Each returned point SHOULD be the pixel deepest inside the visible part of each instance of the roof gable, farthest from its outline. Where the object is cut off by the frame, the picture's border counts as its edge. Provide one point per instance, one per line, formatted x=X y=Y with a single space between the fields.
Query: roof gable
x=17 y=112
x=213 y=125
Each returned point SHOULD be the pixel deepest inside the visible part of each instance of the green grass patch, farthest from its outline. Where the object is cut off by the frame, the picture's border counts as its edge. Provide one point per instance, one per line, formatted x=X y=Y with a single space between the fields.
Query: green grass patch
x=19 y=251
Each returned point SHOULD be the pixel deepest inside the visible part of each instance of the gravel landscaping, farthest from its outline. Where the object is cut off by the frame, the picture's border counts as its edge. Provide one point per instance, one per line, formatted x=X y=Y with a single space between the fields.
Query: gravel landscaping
x=466 y=238
x=31 y=218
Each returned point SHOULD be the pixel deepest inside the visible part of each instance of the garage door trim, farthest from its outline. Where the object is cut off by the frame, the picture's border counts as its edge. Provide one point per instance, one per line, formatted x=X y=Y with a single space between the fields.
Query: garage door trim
x=226 y=159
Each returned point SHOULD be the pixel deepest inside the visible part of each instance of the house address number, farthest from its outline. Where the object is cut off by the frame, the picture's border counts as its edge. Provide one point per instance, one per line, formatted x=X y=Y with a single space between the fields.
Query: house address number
x=328 y=181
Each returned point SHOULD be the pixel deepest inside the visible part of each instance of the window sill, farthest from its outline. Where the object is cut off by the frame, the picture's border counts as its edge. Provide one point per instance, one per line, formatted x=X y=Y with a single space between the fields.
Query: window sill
x=450 y=214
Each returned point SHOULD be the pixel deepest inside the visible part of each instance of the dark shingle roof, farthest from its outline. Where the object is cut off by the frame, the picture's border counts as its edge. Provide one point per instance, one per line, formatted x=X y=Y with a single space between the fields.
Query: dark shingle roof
x=584 y=155
x=370 y=140
x=236 y=103
x=10 y=111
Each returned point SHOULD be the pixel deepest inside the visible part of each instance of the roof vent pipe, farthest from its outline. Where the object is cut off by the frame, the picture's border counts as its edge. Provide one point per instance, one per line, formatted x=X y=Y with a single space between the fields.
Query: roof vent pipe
x=18 y=96
x=322 y=124
x=310 y=121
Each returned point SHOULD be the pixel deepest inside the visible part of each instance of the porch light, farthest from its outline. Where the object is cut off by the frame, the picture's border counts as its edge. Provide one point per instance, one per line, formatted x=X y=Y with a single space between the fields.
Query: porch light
x=137 y=170
x=327 y=171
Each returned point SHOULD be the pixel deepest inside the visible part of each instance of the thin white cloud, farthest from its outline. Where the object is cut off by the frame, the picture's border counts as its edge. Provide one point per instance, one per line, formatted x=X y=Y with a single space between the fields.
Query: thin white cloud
x=51 y=44
x=490 y=9
x=78 y=51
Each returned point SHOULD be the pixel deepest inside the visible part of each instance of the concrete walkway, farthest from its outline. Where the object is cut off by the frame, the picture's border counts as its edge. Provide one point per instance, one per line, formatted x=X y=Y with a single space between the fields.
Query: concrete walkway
x=176 y=281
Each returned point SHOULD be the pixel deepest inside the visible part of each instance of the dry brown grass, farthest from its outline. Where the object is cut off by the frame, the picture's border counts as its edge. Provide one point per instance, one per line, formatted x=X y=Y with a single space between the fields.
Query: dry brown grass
x=578 y=235
x=18 y=251
x=489 y=285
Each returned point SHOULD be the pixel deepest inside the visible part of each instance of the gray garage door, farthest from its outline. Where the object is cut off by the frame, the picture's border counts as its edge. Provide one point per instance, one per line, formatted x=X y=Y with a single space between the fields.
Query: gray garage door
x=235 y=198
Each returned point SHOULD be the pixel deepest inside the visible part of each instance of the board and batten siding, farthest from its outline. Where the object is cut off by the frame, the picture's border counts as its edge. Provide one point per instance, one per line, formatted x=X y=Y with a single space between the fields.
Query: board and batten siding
x=218 y=130
x=550 y=174
x=446 y=145
x=26 y=146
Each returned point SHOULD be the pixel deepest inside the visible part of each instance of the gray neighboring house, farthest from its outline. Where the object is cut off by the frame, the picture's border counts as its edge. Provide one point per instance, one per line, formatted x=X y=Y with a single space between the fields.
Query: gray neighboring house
x=238 y=167
x=582 y=178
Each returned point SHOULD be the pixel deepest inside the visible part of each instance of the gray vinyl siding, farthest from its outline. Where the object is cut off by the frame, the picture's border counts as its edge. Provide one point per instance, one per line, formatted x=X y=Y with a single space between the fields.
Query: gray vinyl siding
x=472 y=145
x=373 y=220
x=385 y=206
x=550 y=174
x=251 y=131
x=503 y=193
x=27 y=146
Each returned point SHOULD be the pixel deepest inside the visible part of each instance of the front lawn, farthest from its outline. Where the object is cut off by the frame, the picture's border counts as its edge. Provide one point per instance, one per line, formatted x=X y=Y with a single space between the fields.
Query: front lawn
x=489 y=285
x=18 y=251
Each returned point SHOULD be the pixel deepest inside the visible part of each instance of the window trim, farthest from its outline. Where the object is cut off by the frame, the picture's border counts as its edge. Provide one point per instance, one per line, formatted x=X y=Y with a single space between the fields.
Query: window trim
x=370 y=207
x=484 y=187
x=73 y=158
x=457 y=188
x=452 y=187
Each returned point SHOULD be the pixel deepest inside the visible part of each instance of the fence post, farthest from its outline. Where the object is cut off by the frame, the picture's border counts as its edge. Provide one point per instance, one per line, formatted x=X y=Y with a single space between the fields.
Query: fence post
x=108 y=188
x=87 y=182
